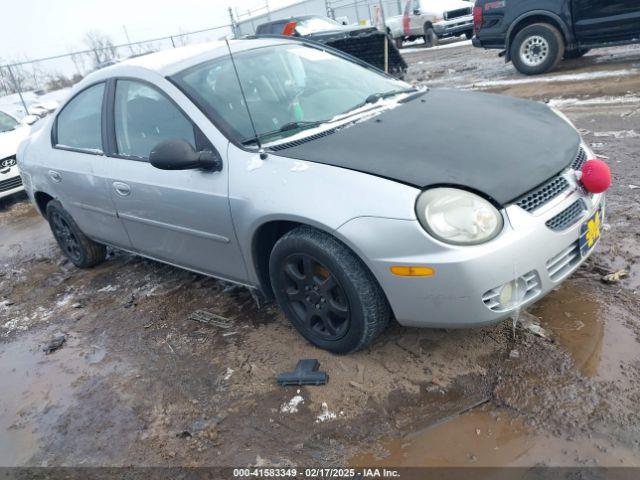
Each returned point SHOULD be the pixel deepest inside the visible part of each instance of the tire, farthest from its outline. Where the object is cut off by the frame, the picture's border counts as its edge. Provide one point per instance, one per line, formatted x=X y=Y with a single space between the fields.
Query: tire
x=398 y=42
x=430 y=37
x=537 y=49
x=571 y=54
x=468 y=34
x=326 y=291
x=81 y=250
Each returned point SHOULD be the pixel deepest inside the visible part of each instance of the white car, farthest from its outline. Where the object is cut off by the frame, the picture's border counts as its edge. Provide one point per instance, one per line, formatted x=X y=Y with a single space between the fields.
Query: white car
x=433 y=20
x=12 y=132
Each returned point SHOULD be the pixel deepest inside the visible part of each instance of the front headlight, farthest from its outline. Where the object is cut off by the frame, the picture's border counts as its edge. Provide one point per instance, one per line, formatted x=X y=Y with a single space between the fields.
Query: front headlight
x=457 y=216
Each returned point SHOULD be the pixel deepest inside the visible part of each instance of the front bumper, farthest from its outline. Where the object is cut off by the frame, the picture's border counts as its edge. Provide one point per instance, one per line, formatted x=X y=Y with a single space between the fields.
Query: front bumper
x=462 y=291
x=456 y=26
x=10 y=181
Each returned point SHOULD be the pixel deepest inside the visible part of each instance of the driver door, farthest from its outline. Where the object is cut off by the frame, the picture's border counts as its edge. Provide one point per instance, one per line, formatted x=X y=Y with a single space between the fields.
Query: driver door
x=181 y=217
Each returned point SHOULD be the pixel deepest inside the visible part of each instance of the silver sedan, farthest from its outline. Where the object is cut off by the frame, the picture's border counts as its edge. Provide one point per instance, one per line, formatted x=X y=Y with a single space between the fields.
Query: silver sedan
x=347 y=196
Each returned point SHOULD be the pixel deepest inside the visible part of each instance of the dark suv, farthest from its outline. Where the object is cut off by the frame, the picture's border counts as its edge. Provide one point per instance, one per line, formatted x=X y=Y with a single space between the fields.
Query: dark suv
x=537 y=34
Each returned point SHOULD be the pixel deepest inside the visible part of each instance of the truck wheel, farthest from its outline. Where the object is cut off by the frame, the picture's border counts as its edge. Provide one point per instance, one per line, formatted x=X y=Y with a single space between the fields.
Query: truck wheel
x=326 y=292
x=537 y=49
x=398 y=42
x=80 y=249
x=430 y=37
x=468 y=34
x=580 y=52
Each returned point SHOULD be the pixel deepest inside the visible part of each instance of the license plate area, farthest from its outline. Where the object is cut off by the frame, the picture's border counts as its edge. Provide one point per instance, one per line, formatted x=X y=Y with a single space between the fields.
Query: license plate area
x=590 y=231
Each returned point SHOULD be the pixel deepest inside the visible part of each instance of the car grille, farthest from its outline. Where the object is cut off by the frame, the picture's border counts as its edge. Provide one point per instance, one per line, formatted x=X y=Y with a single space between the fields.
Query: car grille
x=580 y=159
x=568 y=216
x=543 y=194
x=560 y=265
x=10 y=184
x=461 y=12
x=490 y=298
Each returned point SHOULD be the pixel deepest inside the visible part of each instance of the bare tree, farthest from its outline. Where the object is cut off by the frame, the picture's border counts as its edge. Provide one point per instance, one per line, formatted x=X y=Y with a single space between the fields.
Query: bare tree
x=101 y=46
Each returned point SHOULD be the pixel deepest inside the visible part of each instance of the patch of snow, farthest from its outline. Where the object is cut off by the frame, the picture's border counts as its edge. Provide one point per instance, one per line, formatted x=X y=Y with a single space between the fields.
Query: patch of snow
x=254 y=164
x=16 y=324
x=325 y=414
x=228 y=374
x=108 y=288
x=64 y=300
x=571 y=77
x=292 y=405
x=465 y=43
x=567 y=102
x=299 y=167
x=618 y=134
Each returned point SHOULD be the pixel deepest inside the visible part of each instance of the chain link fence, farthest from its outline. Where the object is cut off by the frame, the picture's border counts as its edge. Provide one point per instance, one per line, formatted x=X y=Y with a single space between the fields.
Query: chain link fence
x=34 y=82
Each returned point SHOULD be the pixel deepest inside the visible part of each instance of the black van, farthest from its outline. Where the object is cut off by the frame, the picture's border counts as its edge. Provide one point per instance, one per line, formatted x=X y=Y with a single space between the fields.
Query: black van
x=537 y=34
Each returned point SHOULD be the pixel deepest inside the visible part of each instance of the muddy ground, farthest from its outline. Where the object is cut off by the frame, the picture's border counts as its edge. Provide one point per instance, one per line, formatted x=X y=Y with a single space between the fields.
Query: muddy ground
x=140 y=383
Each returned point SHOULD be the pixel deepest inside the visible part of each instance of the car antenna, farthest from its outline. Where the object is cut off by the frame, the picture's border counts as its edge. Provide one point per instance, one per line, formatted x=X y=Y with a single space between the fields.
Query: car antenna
x=263 y=154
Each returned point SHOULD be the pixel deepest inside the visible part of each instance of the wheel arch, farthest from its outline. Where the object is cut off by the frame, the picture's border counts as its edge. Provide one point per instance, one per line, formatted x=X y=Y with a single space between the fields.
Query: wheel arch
x=537 y=16
x=42 y=199
x=270 y=231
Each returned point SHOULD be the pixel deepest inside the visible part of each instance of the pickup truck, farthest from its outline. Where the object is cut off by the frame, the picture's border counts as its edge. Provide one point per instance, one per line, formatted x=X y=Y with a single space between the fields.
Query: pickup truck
x=433 y=20
x=536 y=34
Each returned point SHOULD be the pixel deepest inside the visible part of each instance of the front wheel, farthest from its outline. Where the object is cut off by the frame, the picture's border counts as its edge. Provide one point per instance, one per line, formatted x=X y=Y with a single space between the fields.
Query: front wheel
x=326 y=291
x=468 y=34
x=80 y=249
x=537 y=48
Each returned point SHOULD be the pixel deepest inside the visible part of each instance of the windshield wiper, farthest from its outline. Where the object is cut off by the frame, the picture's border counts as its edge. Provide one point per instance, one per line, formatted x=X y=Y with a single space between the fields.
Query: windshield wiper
x=374 y=97
x=299 y=125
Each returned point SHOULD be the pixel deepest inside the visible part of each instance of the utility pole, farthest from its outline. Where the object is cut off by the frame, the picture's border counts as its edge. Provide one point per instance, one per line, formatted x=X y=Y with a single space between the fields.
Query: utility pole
x=126 y=34
x=234 y=30
x=268 y=11
x=18 y=90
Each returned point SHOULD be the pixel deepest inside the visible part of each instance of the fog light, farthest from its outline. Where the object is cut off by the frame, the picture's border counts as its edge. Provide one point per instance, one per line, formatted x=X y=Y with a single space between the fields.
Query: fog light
x=512 y=294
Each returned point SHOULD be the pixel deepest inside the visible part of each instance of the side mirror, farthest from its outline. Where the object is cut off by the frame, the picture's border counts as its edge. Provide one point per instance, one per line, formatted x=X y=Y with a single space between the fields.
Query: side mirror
x=416 y=11
x=177 y=154
x=30 y=119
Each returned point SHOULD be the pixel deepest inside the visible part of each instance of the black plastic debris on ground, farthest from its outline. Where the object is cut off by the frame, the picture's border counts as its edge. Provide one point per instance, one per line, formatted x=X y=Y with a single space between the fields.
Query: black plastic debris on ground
x=54 y=344
x=306 y=373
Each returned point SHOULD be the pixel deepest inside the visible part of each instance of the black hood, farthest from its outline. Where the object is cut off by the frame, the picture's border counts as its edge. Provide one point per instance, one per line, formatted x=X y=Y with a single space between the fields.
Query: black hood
x=499 y=146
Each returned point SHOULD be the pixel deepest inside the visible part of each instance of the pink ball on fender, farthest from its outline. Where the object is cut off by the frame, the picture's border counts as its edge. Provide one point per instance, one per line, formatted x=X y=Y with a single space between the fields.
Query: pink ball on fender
x=596 y=176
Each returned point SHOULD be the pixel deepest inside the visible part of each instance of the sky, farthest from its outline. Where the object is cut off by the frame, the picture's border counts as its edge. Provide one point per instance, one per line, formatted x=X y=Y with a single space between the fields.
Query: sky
x=41 y=28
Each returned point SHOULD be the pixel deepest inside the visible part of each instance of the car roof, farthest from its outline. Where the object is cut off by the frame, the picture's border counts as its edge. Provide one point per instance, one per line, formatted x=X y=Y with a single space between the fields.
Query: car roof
x=171 y=61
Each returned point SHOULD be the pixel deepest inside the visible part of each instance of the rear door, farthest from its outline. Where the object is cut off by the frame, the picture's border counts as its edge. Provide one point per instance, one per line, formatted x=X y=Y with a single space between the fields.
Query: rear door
x=182 y=216
x=606 y=20
x=77 y=153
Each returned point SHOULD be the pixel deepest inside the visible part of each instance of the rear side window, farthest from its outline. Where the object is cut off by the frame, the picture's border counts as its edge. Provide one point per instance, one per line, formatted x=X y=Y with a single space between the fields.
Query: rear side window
x=144 y=117
x=79 y=124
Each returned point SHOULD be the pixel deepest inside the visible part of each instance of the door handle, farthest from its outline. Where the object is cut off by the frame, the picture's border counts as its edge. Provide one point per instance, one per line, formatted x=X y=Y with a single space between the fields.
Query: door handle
x=55 y=176
x=122 y=189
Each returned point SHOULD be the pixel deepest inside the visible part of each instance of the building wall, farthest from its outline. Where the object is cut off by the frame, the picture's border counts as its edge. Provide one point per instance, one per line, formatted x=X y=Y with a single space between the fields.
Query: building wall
x=352 y=11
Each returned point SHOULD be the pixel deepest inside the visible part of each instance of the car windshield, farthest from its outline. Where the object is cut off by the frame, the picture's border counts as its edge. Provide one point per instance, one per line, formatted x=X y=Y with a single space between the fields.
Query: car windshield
x=307 y=26
x=7 y=122
x=287 y=88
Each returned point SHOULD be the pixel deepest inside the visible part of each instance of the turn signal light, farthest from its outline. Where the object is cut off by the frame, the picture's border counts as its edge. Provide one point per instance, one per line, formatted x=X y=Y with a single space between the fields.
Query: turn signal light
x=407 y=271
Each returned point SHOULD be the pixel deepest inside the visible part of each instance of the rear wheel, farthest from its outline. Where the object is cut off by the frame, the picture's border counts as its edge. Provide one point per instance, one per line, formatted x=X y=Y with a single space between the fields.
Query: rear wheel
x=326 y=292
x=430 y=37
x=570 y=54
x=80 y=249
x=537 y=48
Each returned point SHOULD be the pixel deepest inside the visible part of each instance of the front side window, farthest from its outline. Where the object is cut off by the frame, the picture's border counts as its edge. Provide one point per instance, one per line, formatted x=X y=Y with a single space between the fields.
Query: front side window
x=283 y=84
x=144 y=117
x=7 y=122
x=79 y=124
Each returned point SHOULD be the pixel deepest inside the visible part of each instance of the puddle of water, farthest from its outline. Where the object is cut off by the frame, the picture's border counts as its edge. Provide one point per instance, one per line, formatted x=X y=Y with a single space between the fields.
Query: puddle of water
x=36 y=389
x=577 y=320
x=28 y=237
x=482 y=438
